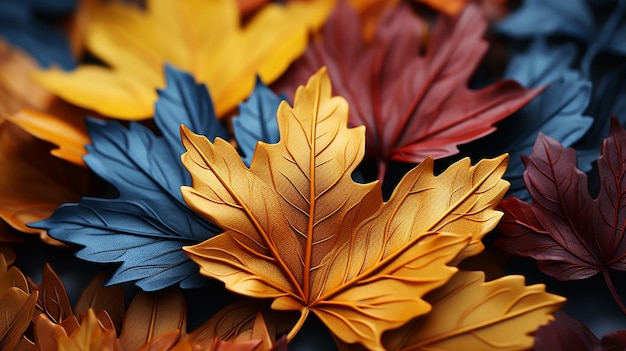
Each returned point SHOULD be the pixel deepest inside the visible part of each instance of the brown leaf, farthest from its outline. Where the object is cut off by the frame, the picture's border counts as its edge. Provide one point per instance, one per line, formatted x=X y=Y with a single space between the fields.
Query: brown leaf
x=53 y=300
x=17 y=309
x=151 y=315
x=11 y=277
x=300 y=231
x=99 y=297
x=163 y=342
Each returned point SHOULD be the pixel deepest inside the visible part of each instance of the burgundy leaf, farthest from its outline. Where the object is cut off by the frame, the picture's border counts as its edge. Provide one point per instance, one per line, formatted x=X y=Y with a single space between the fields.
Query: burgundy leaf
x=571 y=235
x=414 y=105
x=564 y=333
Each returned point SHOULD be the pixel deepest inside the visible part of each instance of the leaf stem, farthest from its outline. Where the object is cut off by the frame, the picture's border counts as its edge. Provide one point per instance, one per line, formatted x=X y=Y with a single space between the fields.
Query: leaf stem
x=296 y=328
x=609 y=284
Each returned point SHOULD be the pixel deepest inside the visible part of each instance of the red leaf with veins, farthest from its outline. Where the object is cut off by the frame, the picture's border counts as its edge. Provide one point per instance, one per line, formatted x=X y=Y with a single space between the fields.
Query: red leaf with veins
x=570 y=234
x=413 y=105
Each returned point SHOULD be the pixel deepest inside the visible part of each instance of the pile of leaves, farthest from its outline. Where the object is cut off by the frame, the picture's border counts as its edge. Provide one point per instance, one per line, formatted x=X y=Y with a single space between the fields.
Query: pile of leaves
x=303 y=175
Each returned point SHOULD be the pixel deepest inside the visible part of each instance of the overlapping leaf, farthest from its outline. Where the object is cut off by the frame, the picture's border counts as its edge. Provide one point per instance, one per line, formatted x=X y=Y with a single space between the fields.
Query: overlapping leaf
x=557 y=111
x=570 y=234
x=413 y=105
x=568 y=334
x=300 y=231
x=148 y=223
x=470 y=314
x=202 y=37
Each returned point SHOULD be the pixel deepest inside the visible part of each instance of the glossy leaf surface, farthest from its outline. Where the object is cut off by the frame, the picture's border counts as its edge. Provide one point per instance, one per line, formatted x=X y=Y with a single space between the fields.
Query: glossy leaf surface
x=202 y=37
x=300 y=231
x=90 y=336
x=148 y=223
x=17 y=309
x=413 y=105
x=570 y=234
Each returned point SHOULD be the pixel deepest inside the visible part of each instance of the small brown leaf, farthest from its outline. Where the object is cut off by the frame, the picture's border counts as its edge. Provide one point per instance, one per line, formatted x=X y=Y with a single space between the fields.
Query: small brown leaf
x=53 y=300
x=17 y=309
x=47 y=333
x=151 y=315
x=11 y=277
x=98 y=297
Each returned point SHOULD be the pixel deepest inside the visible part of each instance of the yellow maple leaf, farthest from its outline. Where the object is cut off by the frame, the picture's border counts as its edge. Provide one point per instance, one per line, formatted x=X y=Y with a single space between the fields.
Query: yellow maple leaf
x=299 y=230
x=203 y=37
x=470 y=314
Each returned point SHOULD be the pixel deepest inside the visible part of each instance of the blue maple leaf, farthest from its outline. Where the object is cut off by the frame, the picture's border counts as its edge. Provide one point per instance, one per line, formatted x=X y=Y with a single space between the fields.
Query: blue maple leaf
x=30 y=25
x=558 y=111
x=145 y=227
x=257 y=120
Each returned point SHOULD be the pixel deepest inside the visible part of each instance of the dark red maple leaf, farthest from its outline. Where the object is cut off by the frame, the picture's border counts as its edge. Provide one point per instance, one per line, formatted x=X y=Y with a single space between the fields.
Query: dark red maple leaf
x=565 y=333
x=570 y=234
x=414 y=105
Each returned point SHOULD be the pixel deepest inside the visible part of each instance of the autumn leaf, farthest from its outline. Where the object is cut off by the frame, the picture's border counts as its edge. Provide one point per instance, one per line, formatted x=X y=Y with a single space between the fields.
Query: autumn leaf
x=570 y=234
x=202 y=37
x=90 y=336
x=559 y=111
x=298 y=229
x=413 y=105
x=151 y=315
x=565 y=333
x=146 y=226
x=470 y=314
x=17 y=308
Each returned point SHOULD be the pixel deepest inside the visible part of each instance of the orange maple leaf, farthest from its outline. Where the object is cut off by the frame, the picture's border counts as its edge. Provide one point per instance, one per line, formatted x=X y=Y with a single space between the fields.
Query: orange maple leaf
x=299 y=230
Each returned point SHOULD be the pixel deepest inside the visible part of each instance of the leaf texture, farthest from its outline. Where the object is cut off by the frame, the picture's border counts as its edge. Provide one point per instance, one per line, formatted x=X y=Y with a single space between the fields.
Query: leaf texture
x=413 y=105
x=470 y=314
x=300 y=231
x=570 y=234
x=201 y=37
x=148 y=223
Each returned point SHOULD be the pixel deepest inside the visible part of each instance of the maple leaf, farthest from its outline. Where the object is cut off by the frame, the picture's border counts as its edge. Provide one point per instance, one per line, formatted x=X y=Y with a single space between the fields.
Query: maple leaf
x=568 y=334
x=570 y=234
x=299 y=230
x=413 y=105
x=557 y=111
x=469 y=313
x=201 y=37
x=148 y=223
